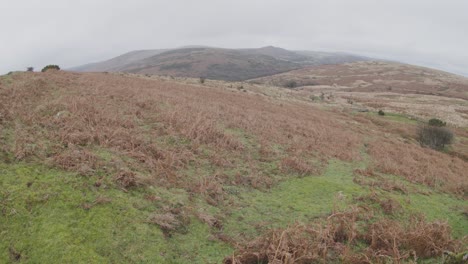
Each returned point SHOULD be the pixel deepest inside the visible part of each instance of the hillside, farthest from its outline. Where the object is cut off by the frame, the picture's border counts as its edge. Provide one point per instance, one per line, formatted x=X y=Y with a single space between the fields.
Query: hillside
x=216 y=63
x=127 y=168
x=400 y=88
x=118 y=63
x=325 y=58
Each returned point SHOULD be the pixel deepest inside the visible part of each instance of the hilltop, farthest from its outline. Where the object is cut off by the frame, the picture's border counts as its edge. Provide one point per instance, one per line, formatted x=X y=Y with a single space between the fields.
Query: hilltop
x=216 y=63
x=124 y=168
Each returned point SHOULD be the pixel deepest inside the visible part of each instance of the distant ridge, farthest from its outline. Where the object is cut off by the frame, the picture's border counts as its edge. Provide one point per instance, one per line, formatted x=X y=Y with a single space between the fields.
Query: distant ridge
x=216 y=63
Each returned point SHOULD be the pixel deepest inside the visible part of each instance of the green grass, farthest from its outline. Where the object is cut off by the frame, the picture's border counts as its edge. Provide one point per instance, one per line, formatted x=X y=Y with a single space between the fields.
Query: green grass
x=400 y=118
x=44 y=214
x=47 y=222
x=297 y=199
x=307 y=198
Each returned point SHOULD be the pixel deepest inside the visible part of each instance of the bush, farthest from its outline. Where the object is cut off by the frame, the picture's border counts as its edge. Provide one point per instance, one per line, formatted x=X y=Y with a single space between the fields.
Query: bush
x=50 y=67
x=435 y=137
x=437 y=122
x=381 y=113
x=30 y=69
x=202 y=80
x=290 y=84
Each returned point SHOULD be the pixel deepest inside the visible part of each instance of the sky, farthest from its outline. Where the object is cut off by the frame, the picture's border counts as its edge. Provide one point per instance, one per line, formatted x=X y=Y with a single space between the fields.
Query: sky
x=432 y=33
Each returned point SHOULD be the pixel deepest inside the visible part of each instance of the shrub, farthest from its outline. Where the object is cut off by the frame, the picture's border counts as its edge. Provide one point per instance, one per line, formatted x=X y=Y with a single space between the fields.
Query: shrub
x=437 y=122
x=290 y=84
x=435 y=137
x=30 y=69
x=381 y=113
x=202 y=80
x=50 y=67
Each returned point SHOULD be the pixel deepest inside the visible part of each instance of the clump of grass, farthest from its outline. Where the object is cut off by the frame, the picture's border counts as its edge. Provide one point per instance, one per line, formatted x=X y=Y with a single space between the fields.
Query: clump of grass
x=296 y=165
x=126 y=179
x=171 y=220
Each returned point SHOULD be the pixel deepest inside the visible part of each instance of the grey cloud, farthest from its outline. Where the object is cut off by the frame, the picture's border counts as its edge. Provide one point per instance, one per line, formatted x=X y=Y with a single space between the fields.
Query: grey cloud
x=35 y=33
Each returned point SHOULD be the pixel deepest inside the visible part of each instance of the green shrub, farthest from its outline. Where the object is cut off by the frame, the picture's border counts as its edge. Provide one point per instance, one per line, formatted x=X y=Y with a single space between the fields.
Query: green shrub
x=50 y=67
x=290 y=84
x=381 y=113
x=202 y=80
x=435 y=137
x=437 y=122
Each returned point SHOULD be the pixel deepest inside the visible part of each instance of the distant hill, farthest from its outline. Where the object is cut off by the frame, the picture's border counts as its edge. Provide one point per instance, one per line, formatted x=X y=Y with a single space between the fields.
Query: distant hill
x=324 y=58
x=375 y=77
x=216 y=63
x=118 y=63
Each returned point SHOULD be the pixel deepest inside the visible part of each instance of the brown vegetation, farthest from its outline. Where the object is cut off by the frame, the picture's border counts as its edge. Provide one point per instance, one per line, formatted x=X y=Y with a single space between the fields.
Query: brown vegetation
x=144 y=123
x=140 y=131
x=385 y=240
x=420 y=165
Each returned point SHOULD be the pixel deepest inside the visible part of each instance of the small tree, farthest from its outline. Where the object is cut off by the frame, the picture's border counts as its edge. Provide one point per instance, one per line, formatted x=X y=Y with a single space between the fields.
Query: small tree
x=437 y=122
x=291 y=84
x=381 y=113
x=435 y=137
x=51 y=67
x=30 y=69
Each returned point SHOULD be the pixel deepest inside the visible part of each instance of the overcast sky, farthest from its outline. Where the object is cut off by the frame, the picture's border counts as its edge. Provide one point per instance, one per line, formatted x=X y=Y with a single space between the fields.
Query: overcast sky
x=433 y=33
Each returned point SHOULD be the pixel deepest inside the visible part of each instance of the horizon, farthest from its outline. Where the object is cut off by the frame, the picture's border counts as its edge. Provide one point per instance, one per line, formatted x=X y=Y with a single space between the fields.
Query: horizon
x=71 y=34
x=70 y=67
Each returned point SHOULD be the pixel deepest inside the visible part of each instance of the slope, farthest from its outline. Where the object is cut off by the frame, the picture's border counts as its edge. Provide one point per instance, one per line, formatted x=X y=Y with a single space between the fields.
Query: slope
x=421 y=93
x=118 y=63
x=126 y=168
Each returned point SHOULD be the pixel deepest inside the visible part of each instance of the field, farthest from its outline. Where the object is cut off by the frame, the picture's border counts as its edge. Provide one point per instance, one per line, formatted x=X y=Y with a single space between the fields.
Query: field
x=125 y=168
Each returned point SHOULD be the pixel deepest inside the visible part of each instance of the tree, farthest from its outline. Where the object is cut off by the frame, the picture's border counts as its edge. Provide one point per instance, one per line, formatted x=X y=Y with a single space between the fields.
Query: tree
x=435 y=137
x=291 y=84
x=51 y=67
x=437 y=122
x=30 y=69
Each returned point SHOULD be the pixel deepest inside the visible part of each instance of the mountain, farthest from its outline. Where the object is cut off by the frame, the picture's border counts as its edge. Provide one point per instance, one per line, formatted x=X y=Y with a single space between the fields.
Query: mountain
x=212 y=63
x=216 y=63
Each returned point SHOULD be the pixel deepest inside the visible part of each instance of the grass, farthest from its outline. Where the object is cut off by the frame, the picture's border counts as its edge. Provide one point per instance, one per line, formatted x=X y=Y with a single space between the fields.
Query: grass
x=297 y=199
x=306 y=198
x=395 y=117
x=50 y=222
x=190 y=182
